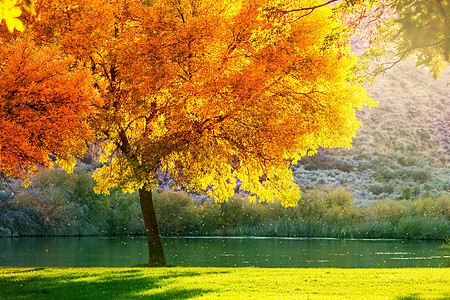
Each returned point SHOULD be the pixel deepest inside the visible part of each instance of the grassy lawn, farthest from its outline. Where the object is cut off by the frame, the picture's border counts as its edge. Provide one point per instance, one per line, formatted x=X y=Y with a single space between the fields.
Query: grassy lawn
x=223 y=283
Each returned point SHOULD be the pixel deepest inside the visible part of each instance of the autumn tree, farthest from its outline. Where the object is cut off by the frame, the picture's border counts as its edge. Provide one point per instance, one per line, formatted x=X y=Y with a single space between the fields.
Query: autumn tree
x=209 y=92
x=44 y=102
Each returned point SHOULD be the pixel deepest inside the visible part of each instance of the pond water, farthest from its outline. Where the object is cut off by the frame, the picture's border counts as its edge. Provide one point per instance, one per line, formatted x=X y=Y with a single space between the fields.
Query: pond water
x=220 y=252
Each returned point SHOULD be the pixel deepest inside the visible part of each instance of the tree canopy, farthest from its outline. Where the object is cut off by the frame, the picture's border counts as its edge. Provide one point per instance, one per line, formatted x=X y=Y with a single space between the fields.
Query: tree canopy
x=209 y=91
x=45 y=101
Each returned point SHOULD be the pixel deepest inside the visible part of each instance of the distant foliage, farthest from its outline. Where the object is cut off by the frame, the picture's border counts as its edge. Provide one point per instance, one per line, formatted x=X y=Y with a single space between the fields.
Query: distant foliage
x=320 y=212
x=123 y=214
x=65 y=204
x=175 y=210
x=388 y=210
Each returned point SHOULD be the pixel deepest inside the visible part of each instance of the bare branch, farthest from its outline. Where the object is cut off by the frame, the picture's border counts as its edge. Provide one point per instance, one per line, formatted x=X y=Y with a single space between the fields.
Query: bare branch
x=403 y=55
x=307 y=8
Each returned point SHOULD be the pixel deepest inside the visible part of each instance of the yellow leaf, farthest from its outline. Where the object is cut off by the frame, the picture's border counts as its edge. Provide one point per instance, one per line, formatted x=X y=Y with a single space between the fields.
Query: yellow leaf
x=13 y=23
x=10 y=12
x=67 y=164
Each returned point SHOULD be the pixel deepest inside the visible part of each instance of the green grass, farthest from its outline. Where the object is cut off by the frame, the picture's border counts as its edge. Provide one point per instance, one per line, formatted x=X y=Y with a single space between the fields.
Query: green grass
x=223 y=283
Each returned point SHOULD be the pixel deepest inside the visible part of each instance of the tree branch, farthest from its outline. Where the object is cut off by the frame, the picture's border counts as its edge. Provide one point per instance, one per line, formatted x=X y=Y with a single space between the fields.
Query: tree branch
x=402 y=56
x=307 y=8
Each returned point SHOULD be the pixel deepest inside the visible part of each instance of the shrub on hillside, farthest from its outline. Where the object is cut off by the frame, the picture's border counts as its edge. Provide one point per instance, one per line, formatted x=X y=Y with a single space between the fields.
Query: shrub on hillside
x=326 y=162
x=387 y=173
x=381 y=188
x=408 y=193
x=417 y=174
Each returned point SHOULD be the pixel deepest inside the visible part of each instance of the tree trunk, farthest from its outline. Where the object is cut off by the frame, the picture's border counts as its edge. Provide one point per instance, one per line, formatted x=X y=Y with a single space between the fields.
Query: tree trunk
x=156 y=256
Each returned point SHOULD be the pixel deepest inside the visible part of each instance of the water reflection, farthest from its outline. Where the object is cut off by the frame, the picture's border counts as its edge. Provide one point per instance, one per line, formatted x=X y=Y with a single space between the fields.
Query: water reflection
x=282 y=252
x=219 y=252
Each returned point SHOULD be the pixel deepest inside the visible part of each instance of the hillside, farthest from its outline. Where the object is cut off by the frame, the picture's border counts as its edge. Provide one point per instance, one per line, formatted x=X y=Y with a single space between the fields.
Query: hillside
x=402 y=147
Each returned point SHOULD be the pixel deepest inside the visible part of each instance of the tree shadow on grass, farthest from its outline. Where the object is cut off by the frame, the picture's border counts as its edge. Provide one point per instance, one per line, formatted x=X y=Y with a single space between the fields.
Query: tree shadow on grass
x=119 y=284
x=18 y=270
x=445 y=296
x=179 y=294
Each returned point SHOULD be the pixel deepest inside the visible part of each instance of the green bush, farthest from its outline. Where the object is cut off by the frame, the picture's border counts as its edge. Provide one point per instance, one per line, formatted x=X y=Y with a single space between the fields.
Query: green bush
x=210 y=216
x=406 y=193
x=234 y=210
x=339 y=198
x=325 y=162
x=418 y=175
x=61 y=204
x=271 y=211
x=438 y=207
x=176 y=212
x=48 y=204
x=388 y=210
x=387 y=173
x=381 y=188
x=312 y=204
x=124 y=216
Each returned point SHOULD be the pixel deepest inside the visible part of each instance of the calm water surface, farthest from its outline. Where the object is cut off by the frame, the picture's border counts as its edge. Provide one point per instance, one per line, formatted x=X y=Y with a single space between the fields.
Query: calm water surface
x=219 y=252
